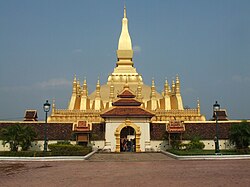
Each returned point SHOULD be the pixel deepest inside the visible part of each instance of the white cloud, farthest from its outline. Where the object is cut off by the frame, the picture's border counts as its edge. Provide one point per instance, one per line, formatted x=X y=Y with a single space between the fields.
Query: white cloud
x=57 y=82
x=52 y=83
x=137 y=49
x=77 y=51
x=240 y=79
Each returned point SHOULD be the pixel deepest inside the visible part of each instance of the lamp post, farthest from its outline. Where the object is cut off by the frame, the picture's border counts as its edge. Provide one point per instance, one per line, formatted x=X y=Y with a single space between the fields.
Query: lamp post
x=216 y=108
x=46 y=108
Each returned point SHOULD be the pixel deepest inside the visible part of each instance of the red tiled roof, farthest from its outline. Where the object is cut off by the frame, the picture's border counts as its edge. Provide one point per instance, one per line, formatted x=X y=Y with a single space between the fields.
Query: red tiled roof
x=30 y=115
x=127 y=111
x=221 y=115
x=126 y=102
x=126 y=93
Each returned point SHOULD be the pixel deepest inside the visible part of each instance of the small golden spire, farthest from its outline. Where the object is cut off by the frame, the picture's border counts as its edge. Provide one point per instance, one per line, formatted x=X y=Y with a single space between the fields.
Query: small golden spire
x=198 y=106
x=166 y=88
x=85 y=88
x=177 y=87
x=125 y=14
x=74 y=85
x=112 y=91
x=98 y=88
x=53 y=105
x=173 y=86
x=153 y=94
x=139 y=88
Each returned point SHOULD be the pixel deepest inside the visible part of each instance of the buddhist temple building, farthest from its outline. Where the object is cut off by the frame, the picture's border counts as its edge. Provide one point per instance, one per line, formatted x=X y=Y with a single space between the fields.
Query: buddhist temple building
x=144 y=103
x=126 y=109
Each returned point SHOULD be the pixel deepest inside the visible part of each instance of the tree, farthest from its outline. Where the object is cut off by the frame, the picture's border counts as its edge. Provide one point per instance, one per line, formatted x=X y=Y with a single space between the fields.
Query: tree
x=239 y=135
x=18 y=135
x=28 y=135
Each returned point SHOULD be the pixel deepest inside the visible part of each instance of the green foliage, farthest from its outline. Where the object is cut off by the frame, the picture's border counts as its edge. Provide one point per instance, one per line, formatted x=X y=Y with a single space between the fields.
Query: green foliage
x=42 y=154
x=194 y=144
x=18 y=135
x=68 y=149
x=202 y=152
x=28 y=135
x=175 y=141
x=239 y=135
x=63 y=142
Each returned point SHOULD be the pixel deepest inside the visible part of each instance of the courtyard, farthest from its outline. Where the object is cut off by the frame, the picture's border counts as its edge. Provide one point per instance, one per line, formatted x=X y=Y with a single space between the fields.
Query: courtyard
x=145 y=169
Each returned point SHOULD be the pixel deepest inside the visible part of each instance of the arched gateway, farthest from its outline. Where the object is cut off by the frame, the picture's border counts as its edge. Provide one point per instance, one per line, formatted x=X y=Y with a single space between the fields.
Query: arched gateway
x=133 y=130
x=126 y=112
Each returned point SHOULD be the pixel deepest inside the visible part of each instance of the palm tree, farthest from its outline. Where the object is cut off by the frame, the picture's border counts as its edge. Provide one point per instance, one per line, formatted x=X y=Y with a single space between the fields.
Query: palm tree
x=28 y=135
x=239 y=135
x=18 y=135
x=11 y=135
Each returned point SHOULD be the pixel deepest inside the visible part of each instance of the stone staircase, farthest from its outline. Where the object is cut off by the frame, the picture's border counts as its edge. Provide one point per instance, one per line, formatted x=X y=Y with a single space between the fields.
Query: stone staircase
x=128 y=157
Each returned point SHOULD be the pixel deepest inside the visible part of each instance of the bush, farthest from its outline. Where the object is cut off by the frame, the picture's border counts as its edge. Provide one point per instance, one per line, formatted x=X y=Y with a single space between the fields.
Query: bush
x=68 y=149
x=25 y=153
x=194 y=144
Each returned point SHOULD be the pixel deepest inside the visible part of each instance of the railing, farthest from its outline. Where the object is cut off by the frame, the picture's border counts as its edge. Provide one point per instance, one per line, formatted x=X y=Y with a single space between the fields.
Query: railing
x=175 y=112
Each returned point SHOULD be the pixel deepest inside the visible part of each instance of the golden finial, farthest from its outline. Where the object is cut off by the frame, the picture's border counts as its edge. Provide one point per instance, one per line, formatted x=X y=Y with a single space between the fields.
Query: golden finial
x=126 y=83
x=74 y=78
x=177 y=78
x=125 y=14
x=153 y=82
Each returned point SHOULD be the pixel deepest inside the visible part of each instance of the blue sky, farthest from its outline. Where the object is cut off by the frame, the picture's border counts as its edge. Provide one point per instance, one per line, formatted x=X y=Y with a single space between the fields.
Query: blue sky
x=44 y=43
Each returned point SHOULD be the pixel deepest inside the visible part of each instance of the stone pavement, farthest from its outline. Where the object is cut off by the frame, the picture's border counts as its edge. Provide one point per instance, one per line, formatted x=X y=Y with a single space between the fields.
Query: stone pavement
x=170 y=173
x=128 y=157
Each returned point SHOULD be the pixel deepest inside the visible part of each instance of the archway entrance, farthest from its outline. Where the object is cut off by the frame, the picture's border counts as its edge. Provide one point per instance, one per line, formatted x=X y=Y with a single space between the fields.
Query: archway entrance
x=121 y=130
x=127 y=139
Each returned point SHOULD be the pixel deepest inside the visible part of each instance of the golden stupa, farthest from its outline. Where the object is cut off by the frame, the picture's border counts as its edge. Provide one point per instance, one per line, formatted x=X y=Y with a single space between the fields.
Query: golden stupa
x=166 y=106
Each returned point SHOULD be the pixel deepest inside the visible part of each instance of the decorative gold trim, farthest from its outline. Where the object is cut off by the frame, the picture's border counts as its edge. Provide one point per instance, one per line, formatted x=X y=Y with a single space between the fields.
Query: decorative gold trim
x=137 y=135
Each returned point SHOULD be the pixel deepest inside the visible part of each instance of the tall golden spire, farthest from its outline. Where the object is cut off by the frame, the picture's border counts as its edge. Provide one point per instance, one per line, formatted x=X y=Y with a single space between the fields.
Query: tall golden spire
x=124 y=65
x=125 y=40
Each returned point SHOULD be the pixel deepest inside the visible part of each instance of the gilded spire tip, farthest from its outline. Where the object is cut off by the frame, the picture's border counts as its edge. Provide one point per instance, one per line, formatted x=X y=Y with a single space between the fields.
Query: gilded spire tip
x=125 y=14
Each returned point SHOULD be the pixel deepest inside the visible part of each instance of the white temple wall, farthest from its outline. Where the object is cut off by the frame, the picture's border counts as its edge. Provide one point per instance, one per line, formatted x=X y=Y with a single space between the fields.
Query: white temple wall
x=98 y=144
x=157 y=145
x=35 y=146
x=210 y=145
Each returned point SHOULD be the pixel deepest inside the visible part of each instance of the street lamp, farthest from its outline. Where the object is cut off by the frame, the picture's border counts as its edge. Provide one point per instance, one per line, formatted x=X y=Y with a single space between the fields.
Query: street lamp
x=46 y=108
x=216 y=108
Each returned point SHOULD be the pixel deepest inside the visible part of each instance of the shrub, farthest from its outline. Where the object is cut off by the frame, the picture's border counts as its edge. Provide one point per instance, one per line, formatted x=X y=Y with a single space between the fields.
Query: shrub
x=194 y=144
x=68 y=149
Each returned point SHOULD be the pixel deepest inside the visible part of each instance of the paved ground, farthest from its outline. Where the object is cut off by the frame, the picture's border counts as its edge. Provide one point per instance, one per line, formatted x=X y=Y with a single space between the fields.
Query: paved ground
x=147 y=172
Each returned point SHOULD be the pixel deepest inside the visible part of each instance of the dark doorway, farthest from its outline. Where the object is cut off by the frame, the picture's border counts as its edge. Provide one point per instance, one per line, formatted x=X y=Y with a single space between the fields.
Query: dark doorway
x=127 y=139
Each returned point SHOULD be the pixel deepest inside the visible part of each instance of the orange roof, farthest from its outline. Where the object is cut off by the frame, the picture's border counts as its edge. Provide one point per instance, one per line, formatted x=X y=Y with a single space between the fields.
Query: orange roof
x=126 y=93
x=127 y=111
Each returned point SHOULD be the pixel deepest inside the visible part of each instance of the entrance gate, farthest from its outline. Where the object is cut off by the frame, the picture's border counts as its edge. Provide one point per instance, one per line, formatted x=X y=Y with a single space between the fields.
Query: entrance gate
x=127 y=139
x=131 y=130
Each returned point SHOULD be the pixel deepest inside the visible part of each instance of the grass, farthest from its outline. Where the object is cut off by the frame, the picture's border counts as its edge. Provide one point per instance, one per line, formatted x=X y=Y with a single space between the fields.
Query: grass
x=204 y=152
